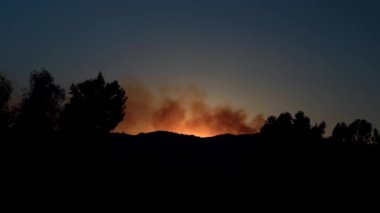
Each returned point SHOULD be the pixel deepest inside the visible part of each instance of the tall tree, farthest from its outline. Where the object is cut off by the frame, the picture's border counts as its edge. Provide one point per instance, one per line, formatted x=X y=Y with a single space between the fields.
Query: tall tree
x=5 y=95
x=292 y=129
x=359 y=131
x=95 y=106
x=376 y=136
x=340 y=134
x=41 y=105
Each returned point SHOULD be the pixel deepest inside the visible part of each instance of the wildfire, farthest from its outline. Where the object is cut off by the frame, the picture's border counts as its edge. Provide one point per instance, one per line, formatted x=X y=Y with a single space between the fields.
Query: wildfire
x=196 y=132
x=182 y=110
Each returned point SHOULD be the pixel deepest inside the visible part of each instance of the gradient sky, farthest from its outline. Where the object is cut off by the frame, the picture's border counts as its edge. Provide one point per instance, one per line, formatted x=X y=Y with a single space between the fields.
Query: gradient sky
x=267 y=56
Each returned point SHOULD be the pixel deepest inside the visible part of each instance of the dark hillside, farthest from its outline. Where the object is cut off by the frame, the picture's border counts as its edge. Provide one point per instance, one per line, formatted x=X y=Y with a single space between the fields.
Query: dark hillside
x=161 y=154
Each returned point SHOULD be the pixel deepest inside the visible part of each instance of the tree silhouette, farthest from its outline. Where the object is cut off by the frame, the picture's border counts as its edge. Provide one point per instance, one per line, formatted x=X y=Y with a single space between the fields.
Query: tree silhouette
x=39 y=109
x=95 y=106
x=340 y=134
x=358 y=132
x=361 y=131
x=296 y=130
x=376 y=136
x=5 y=95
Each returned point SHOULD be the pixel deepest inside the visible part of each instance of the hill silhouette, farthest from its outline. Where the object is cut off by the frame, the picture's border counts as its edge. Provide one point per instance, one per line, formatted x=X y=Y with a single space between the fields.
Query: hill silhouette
x=166 y=154
x=42 y=137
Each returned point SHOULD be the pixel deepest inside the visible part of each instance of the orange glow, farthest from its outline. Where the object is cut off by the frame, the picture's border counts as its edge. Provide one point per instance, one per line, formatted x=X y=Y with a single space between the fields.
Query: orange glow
x=182 y=110
x=196 y=132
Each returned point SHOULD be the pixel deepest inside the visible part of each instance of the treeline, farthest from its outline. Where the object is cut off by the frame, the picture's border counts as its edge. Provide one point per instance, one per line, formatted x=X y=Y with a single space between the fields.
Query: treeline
x=95 y=106
x=92 y=106
x=298 y=130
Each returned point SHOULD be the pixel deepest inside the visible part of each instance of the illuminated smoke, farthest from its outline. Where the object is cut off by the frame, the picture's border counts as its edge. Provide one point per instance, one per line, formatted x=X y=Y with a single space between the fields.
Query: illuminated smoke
x=183 y=110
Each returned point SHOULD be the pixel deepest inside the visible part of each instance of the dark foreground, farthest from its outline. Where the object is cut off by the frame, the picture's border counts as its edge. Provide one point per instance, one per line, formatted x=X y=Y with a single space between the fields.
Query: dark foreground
x=160 y=162
x=162 y=155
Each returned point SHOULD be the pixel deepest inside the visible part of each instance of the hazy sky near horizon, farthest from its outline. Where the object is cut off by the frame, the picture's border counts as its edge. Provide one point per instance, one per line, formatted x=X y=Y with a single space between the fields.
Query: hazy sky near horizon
x=267 y=56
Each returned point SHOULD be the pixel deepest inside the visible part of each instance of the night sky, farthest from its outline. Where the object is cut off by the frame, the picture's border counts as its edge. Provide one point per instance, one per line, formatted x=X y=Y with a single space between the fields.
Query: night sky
x=266 y=56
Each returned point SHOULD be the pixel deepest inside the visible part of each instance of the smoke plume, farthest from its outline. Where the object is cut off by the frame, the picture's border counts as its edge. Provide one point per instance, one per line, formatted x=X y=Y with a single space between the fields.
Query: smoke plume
x=183 y=110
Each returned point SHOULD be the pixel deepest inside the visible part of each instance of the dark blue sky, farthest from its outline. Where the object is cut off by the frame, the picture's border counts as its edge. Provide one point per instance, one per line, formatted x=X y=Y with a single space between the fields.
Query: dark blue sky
x=268 y=56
